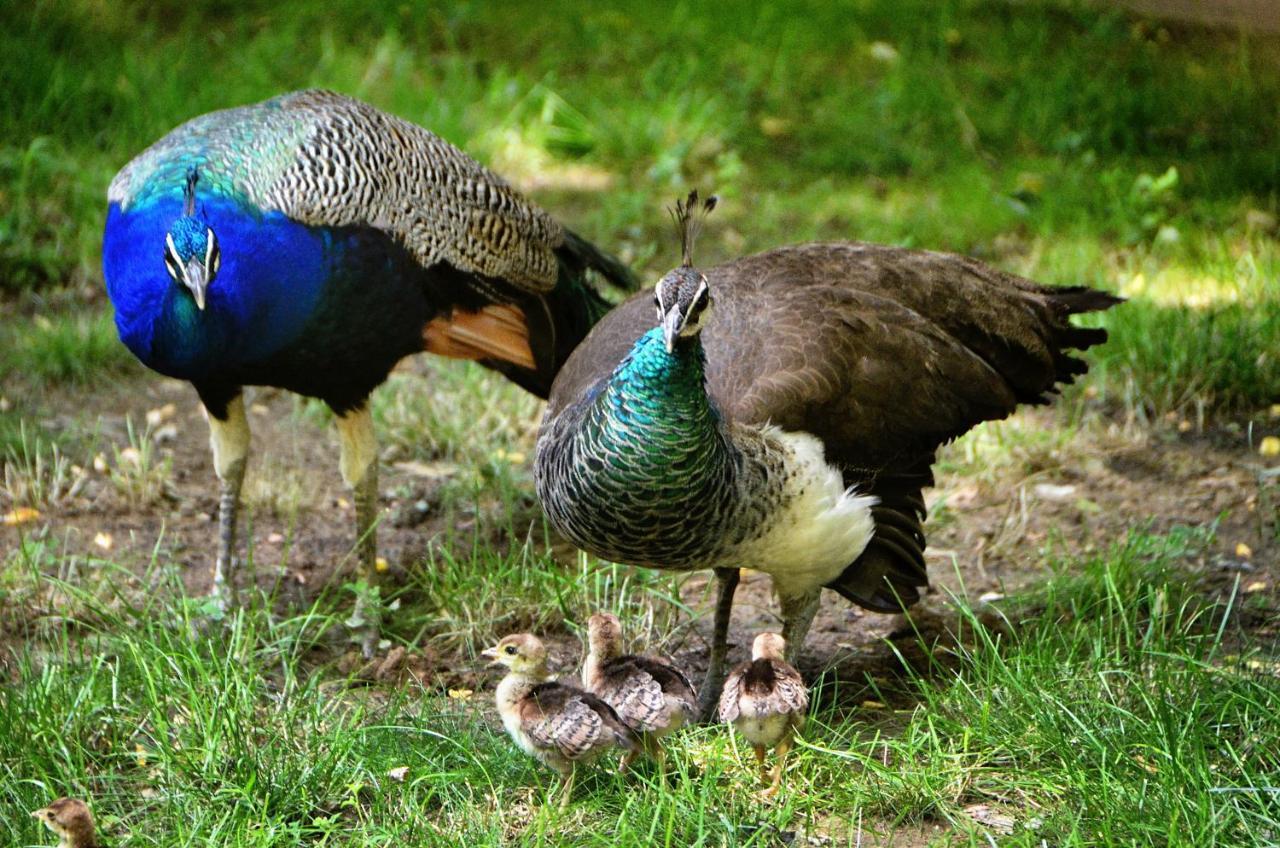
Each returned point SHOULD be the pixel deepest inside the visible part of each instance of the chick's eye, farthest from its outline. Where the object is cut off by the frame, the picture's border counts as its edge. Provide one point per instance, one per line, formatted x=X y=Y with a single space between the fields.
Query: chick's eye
x=510 y=649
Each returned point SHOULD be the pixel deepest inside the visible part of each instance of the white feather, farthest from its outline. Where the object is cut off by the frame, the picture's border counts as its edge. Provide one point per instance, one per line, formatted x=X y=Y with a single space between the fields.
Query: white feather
x=823 y=526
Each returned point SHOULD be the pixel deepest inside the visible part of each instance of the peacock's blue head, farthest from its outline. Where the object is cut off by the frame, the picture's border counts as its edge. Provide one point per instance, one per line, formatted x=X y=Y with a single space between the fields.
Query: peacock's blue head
x=191 y=253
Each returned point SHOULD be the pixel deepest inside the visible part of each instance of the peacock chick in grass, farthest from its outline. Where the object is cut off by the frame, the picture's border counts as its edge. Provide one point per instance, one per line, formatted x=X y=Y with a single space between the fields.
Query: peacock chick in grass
x=71 y=820
x=649 y=694
x=309 y=243
x=557 y=723
x=765 y=700
x=782 y=412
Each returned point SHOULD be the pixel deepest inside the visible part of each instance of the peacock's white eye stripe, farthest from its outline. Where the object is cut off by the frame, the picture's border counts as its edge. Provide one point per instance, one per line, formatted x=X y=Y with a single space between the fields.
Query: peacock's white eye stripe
x=211 y=244
x=171 y=261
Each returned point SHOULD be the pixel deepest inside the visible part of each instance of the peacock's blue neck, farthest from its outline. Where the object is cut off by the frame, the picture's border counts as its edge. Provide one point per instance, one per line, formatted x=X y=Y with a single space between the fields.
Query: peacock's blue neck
x=271 y=278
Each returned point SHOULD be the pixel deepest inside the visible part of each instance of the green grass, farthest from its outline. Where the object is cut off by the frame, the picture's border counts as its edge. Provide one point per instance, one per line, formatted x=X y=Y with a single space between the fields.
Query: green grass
x=72 y=348
x=1111 y=707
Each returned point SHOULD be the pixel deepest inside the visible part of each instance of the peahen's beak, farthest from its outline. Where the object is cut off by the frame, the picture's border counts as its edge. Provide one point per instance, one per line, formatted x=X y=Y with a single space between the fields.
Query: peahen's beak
x=672 y=324
x=196 y=278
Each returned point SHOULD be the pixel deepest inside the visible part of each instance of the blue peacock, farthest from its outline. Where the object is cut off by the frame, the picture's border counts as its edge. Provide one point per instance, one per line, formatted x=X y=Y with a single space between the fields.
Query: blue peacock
x=782 y=412
x=311 y=241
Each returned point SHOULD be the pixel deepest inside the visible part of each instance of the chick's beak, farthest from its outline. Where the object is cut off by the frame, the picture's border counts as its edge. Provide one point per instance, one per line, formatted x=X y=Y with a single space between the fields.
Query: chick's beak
x=39 y=814
x=672 y=324
x=196 y=278
x=490 y=654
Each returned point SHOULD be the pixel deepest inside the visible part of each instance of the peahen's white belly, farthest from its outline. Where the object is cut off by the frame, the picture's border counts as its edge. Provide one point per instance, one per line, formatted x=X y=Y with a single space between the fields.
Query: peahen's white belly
x=820 y=528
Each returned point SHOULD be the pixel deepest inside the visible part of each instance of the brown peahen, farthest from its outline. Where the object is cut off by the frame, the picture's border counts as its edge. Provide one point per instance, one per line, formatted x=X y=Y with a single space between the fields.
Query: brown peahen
x=782 y=412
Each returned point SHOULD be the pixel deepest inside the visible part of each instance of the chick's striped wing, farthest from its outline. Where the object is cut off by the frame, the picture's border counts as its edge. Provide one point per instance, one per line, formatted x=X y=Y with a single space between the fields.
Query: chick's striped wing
x=731 y=695
x=572 y=721
x=789 y=694
x=638 y=688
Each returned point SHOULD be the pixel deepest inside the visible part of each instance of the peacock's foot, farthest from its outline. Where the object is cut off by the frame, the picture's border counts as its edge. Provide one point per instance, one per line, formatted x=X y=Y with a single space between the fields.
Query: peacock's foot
x=365 y=623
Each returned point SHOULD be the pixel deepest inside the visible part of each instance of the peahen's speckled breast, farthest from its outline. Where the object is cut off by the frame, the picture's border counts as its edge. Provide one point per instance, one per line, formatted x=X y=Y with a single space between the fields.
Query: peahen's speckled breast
x=644 y=471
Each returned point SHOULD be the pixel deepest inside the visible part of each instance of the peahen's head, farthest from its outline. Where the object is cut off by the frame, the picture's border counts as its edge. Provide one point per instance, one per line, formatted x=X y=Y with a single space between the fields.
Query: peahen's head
x=683 y=296
x=191 y=252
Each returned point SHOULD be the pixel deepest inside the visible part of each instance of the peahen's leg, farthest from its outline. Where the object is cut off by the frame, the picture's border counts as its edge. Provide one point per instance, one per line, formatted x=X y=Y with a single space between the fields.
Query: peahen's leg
x=229 y=439
x=359 y=463
x=797 y=615
x=709 y=694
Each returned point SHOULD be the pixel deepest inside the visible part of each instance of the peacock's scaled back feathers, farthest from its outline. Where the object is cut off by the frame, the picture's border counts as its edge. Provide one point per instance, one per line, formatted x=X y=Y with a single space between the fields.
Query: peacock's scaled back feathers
x=324 y=159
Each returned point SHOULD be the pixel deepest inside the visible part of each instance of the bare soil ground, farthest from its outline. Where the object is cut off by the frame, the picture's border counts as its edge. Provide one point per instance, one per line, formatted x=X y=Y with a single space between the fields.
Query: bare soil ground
x=997 y=527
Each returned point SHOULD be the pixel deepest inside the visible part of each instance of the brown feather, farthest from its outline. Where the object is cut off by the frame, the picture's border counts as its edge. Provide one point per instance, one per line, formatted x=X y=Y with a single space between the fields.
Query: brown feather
x=638 y=687
x=763 y=687
x=495 y=332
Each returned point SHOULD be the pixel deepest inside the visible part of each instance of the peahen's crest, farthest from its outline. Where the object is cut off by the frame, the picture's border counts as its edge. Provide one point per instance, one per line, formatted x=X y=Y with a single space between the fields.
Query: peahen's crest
x=689 y=217
x=682 y=295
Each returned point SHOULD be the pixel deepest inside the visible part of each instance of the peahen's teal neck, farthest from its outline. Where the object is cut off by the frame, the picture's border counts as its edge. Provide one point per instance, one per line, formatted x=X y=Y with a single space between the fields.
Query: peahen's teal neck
x=655 y=412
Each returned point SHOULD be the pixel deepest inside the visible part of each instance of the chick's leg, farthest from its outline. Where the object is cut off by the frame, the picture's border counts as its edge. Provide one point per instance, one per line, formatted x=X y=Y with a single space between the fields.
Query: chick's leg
x=780 y=754
x=359 y=464
x=760 y=751
x=229 y=440
x=566 y=788
x=709 y=694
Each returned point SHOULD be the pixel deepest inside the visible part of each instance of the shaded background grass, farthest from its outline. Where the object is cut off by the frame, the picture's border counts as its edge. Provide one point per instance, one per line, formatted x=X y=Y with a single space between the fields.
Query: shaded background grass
x=1065 y=143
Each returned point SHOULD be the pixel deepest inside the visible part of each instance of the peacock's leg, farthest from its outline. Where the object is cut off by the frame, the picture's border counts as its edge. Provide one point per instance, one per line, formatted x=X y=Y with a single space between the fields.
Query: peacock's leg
x=797 y=615
x=359 y=463
x=229 y=439
x=709 y=694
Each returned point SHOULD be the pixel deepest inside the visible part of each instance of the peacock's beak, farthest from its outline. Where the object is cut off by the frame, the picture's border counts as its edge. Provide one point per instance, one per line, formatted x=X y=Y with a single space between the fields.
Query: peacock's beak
x=672 y=324
x=196 y=278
